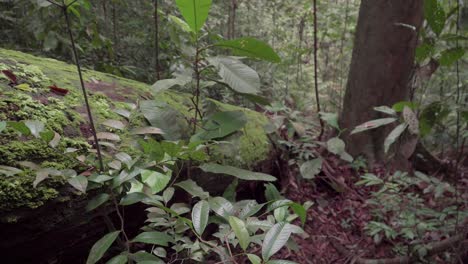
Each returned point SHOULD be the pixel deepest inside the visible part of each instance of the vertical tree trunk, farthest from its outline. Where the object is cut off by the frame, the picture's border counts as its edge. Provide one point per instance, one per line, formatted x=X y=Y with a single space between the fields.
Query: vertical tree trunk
x=156 y=40
x=383 y=56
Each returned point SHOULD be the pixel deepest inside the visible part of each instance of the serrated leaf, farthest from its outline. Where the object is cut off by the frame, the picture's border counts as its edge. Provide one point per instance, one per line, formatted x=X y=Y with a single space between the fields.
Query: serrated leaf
x=275 y=239
x=310 y=169
x=195 y=12
x=97 y=201
x=251 y=47
x=237 y=75
x=236 y=172
x=238 y=226
x=153 y=238
x=35 y=127
x=79 y=182
x=101 y=246
x=191 y=187
x=200 y=214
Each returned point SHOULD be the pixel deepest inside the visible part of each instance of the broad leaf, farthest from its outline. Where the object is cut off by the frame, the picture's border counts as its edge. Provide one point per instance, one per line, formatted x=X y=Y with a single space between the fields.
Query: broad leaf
x=373 y=124
x=79 y=182
x=236 y=172
x=119 y=259
x=311 y=168
x=254 y=259
x=155 y=180
x=280 y=261
x=221 y=206
x=97 y=201
x=331 y=119
x=191 y=187
x=237 y=75
x=252 y=48
x=240 y=231
x=43 y=3
x=133 y=198
x=153 y=238
x=114 y=124
x=394 y=135
x=3 y=125
x=195 y=12
x=386 y=110
x=200 y=214
x=100 y=247
x=147 y=131
x=275 y=239
x=36 y=127
x=221 y=125
x=337 y=146
x=450 y=56
x=435 y=15
x=166 y=84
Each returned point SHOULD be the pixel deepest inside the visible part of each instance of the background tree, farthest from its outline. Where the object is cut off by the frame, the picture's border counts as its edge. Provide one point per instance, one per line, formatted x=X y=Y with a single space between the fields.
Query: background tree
x=381 y=66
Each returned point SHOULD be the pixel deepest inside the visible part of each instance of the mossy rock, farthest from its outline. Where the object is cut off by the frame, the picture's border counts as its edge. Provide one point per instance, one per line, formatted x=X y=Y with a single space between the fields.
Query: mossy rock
x=66 y=115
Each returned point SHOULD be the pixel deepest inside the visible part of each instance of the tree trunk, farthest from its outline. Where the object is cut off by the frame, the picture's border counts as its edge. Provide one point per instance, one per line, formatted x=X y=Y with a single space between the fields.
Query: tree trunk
x=383 y=56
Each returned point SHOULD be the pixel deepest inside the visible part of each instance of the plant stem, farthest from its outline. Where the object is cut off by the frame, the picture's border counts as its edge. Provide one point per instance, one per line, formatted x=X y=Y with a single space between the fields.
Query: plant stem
x=85 y=95
x=317 y=97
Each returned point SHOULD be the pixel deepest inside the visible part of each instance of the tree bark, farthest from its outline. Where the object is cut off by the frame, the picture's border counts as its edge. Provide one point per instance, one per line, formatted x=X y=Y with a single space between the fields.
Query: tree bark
x=382 y=61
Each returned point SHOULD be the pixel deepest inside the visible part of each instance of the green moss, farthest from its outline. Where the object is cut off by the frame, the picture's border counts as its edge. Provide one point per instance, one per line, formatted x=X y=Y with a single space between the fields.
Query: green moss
x=65 y=115
x=18 y=191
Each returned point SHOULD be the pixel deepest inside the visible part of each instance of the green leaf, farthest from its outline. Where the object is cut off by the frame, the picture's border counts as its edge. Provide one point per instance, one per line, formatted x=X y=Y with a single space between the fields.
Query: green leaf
x=386 y=110
x=435 y=15
x=236 y=172
x=450 y=56
x=195 y=12
x=97 y=201
x=153 y=238
x=36 y=127
x=300 y=211
x=79 y=182
x=331 y=119
x=221 y=206
x=101 y=246
x=240 y=231
x=200 y=214
x=133 y=198
x=237 y=75
x=254 y=259
x=275 y=239
x=280 y=261
x=155 y=180
x=20 y=127
x=230 y=192
x=119 y=259
x=424 y=51
x=311 y=168
x=191 y=187
x=221 y=125
x=337 y=146
x=394 y=135
x=46 y=135
x=43 y=3
x=401 y=105
x=163 y=85
x=114 y=124
x=373 y=124
x=3 y=125
x=272 y=193
x=252 y=48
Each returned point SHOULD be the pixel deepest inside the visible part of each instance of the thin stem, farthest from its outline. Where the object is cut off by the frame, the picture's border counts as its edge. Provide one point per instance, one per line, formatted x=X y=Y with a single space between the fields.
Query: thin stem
x=85 y=95
x=156 y=39
x=317 y=97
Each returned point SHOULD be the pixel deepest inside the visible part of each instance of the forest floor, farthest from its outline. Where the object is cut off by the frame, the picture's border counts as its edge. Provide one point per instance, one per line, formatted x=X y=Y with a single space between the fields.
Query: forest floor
x=336 y=223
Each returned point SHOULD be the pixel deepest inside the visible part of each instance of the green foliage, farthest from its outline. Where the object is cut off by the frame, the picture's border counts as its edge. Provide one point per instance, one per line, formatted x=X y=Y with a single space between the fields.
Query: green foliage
x=195 y=12
x=101 y=246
